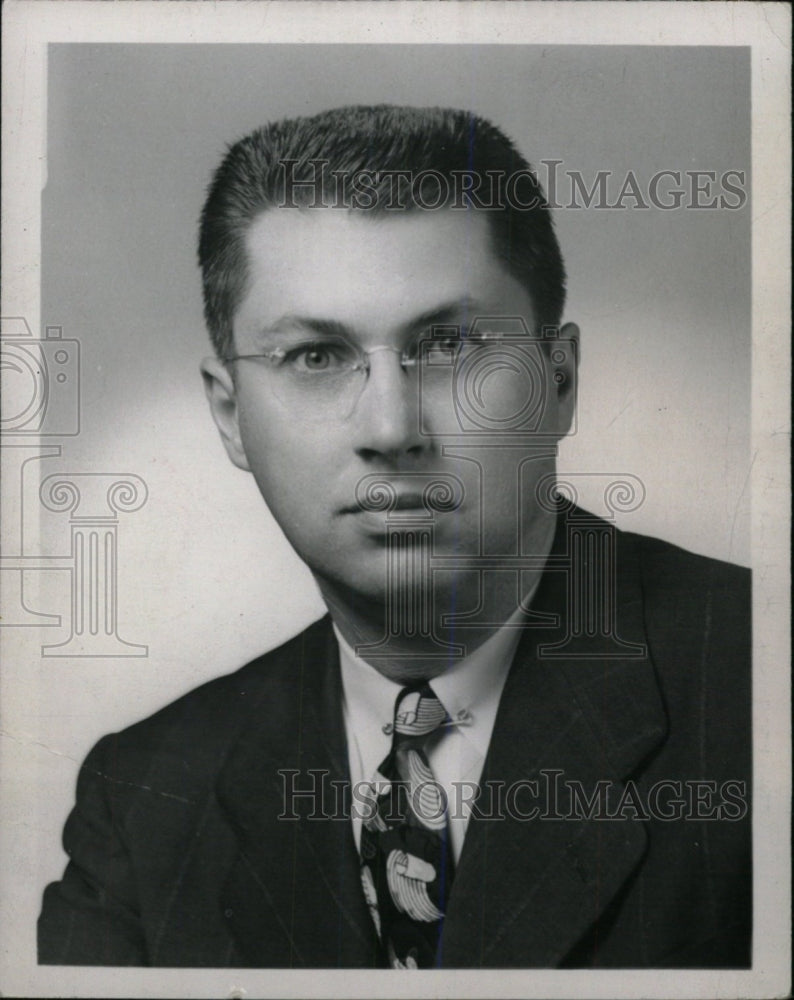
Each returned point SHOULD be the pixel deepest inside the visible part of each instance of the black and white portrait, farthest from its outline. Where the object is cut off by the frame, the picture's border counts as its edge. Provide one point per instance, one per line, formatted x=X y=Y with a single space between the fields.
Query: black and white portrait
x=383 y=537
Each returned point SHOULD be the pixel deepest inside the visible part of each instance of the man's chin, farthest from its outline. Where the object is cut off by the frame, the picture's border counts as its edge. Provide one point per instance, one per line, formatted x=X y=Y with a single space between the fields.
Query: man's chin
x=392 y=584
x=401 y=588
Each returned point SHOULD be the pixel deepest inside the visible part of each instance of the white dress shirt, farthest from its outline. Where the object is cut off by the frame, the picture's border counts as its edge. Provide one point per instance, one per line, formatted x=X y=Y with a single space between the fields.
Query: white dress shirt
x=469 y=690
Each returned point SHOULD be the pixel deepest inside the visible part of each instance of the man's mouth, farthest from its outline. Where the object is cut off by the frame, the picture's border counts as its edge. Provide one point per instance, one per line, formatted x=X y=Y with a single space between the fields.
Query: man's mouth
x=400 y=501
x=427 y=493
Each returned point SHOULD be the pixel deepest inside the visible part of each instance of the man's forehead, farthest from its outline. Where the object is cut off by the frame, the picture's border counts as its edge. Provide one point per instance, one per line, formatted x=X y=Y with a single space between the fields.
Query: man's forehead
x=347 y=264
x=311 y=232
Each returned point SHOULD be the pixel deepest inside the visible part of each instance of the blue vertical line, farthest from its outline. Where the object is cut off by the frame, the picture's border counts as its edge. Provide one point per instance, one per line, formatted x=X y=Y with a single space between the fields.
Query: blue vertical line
x=446 y=848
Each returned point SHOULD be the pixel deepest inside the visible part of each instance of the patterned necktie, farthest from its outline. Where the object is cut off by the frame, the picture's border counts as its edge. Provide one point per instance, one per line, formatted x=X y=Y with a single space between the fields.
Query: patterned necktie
x=406 y=856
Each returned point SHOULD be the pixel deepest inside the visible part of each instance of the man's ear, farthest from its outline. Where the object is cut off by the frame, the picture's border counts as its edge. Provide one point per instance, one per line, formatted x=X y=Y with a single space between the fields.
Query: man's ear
x=565 y=376
x=222 y=396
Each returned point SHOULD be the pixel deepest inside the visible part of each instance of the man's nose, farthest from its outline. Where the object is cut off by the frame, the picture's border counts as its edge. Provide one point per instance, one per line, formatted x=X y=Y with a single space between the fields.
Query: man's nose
x=386 y=418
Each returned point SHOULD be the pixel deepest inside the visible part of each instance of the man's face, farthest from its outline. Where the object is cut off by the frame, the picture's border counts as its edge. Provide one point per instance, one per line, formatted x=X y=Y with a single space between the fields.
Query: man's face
x=374 y=282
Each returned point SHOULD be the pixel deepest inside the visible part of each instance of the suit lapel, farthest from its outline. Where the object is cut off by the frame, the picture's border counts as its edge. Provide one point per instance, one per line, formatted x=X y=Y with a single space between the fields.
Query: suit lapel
x=293 y=896
x=526 y=891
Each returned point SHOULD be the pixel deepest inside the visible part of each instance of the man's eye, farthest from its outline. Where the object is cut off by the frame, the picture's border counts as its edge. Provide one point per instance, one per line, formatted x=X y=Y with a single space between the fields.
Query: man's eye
x=311 y=358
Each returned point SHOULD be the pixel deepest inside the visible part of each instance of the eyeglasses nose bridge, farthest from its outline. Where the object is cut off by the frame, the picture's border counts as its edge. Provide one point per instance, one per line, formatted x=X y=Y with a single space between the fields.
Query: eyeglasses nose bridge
x=366 y=355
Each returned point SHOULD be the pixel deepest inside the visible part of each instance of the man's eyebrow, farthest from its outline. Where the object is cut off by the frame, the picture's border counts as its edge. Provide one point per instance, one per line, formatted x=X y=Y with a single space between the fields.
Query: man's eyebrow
x=455 y=309
x=322 y=327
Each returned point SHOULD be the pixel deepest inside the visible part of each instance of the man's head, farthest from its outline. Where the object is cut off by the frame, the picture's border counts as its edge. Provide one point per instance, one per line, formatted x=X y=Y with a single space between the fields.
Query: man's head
x=380 y=161
x=323 y=387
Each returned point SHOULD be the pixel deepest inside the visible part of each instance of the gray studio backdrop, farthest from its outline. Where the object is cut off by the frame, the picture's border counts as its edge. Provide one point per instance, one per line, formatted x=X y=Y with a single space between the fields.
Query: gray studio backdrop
x=205 y=579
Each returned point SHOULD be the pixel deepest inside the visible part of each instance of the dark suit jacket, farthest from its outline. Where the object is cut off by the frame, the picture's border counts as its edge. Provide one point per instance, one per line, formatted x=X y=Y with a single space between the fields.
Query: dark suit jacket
x=179 y=858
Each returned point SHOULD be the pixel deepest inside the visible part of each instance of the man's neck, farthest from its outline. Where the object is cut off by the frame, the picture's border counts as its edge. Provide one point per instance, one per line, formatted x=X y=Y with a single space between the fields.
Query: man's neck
x=404 y=658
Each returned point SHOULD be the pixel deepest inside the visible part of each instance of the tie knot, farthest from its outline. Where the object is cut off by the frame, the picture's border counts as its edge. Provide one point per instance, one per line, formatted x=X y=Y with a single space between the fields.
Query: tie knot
x=418 y=712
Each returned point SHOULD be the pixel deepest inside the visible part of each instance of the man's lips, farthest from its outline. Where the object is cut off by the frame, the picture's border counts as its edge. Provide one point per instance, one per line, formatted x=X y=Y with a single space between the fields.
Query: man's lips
x=403 y=501
x=379 y=496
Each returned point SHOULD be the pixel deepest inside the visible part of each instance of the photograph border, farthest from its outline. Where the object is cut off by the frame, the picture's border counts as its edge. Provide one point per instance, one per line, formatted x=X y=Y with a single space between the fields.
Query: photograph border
x=30 y=25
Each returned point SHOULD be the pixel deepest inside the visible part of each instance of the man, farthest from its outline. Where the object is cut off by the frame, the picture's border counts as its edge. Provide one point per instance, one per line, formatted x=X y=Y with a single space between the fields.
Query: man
x=521 y=737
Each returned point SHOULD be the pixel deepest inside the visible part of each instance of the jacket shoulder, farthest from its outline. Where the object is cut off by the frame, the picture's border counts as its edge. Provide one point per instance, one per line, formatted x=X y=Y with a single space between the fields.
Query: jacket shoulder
x=668 y=564
x=692 y=600
x=191 y=735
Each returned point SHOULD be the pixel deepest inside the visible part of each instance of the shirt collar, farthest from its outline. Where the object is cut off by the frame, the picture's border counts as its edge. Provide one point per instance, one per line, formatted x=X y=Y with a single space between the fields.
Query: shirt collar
x=469 y=690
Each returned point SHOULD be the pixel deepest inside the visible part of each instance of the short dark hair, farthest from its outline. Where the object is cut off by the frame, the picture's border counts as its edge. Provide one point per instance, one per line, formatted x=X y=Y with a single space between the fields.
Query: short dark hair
x=271 y=167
